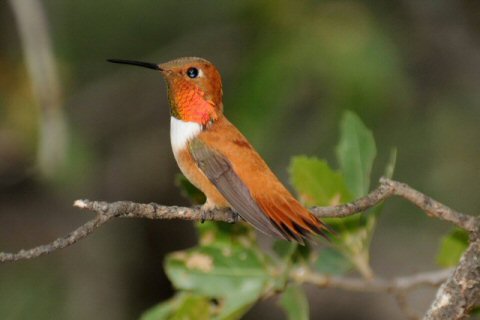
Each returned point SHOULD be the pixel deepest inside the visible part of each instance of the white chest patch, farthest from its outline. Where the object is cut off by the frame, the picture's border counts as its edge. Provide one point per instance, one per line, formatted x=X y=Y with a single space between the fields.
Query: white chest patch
x=181 y=132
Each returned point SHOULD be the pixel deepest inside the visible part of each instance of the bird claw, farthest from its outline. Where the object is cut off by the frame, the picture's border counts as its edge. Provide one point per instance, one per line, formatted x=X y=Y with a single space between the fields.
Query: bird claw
x=204 y=217
x=206 y=208
x=234 y=218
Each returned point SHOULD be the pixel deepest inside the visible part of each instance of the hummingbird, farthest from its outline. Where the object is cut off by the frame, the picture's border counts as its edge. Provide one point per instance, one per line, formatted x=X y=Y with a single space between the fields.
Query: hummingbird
x=217 y=158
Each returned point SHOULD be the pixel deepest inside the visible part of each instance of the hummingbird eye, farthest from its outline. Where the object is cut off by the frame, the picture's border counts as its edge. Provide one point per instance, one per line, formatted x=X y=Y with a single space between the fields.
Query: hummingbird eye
x=192 y=72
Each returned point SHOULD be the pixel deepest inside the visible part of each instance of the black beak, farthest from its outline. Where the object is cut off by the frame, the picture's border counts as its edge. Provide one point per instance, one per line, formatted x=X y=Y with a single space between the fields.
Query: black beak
x=137 y=63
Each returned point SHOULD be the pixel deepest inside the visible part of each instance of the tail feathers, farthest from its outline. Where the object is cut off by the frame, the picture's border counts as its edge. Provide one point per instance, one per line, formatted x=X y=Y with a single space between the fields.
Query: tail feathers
x=292 y=220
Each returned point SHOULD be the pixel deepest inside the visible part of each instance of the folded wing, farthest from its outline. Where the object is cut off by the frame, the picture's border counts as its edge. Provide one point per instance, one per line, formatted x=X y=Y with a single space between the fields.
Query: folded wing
x=274 y=213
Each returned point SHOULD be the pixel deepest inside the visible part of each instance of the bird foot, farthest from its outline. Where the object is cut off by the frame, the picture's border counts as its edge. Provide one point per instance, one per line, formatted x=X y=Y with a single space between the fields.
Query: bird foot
x=206 y=208
x=235 y=217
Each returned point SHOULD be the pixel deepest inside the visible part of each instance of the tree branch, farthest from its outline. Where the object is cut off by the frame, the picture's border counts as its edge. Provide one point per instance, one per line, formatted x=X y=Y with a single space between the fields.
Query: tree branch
x=461 y=292
x=454 y=299
x=126 y=209
x=388 y=188
x=60 y=243
x=433 y=278
x=397 y=287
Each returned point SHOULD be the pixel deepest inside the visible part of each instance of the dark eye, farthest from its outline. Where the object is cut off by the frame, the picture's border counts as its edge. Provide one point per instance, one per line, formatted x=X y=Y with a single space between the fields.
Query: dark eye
x=192 y=72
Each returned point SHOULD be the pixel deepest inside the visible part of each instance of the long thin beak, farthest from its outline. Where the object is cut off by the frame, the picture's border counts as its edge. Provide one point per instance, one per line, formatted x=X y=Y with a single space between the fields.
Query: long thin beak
x=137 y=63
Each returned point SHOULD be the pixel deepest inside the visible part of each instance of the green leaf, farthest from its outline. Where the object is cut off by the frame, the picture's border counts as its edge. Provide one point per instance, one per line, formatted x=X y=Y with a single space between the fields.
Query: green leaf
x=452 y=247
x=352 y=239
x=161 y=311
x=193 y=307
x=285 y=249
x=316 y=183
x=295 y=303
x=291 y=251
x=356 y=152
x=475 y=311
x=225 y=234
x=332 y=262
x=182 y=306
x=236 y=275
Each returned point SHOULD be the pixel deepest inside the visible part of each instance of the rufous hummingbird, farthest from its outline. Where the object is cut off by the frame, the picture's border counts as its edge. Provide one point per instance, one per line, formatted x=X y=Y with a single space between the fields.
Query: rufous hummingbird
x=215 y=156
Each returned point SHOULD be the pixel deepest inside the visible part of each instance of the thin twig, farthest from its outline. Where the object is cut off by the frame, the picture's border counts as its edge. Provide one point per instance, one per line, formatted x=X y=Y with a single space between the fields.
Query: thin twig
x=388 y=188
x=432 y=278
x=432 y=207
x=398 y=287
x=60 y=243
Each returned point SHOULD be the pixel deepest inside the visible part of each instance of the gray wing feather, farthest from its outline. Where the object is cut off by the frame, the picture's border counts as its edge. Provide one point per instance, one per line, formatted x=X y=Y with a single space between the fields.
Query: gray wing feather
x=219 y=171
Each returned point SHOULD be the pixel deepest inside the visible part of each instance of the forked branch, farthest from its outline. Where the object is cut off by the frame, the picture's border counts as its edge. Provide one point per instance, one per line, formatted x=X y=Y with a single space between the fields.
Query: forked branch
x=458 y=294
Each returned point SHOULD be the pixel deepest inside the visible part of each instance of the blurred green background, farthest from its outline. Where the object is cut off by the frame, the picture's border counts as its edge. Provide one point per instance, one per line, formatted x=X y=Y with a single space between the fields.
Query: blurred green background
x=410 y=69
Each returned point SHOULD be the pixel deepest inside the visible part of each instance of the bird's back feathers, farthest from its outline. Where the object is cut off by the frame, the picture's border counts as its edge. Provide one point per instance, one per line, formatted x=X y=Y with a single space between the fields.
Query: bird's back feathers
x=238 y=172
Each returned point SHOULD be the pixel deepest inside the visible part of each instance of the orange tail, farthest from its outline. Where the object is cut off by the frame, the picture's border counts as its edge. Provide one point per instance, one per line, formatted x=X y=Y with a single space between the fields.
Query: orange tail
x=291 y=219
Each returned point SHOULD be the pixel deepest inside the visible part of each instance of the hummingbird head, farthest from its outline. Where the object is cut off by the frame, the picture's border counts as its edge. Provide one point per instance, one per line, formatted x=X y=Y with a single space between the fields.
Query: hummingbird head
x=194 y=88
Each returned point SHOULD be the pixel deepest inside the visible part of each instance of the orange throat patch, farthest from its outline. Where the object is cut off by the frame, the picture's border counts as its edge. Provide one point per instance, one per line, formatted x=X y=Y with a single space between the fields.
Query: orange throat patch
x=191 y=105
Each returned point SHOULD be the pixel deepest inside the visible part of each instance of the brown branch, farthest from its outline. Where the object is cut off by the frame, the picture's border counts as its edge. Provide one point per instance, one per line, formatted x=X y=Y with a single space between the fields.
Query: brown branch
x=432 y=207
x=454 y=299
x=126 y=209
x=388 y=188
x=397 y=287
x=60 y=243
x=433 y=278
x=461 y=292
